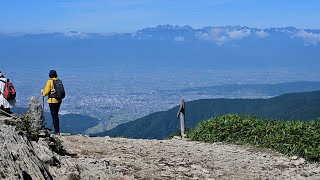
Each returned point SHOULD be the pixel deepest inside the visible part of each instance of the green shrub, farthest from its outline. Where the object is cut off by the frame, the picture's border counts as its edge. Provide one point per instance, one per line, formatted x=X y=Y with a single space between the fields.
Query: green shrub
x=56 y=146
x=288 y=137
x=24 y=128
x=74 y=176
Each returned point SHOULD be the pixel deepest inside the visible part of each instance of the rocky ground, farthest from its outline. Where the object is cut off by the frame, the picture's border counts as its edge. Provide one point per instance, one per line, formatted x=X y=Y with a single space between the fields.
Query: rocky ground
x=120 y=158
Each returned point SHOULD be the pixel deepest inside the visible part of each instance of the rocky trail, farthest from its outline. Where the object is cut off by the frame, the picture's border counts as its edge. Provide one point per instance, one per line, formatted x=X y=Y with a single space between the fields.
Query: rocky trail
x=120 y=158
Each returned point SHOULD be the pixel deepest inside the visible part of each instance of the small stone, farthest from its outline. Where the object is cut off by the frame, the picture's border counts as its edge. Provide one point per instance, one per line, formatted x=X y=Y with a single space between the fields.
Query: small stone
x=299 y=177
x=182 y=163
x=286 y=173
x=127 y=178
x=176 y=137
x=196 y=167
x=182 y=169
x=302 y=161
x=205 y=171
x=286 y=163
x=165 y=175
x=317 y=170
x=280 y=161
x=294 y=157
x=304 y=174
x=299 y=162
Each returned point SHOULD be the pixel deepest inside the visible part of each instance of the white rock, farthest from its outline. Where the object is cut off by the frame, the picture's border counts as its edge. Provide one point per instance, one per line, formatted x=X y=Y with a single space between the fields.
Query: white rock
x=294 y=157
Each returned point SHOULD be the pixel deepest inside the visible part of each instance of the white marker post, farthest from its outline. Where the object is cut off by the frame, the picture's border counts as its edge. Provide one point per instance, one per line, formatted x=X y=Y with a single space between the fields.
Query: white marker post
x=181 y=113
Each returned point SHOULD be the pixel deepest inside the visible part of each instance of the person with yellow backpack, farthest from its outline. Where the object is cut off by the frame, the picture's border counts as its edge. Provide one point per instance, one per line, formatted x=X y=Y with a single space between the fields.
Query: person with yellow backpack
x=54 y=89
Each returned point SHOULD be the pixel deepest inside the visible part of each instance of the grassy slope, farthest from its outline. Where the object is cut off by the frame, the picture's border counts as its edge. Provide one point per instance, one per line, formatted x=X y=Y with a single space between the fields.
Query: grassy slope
x=288 y=137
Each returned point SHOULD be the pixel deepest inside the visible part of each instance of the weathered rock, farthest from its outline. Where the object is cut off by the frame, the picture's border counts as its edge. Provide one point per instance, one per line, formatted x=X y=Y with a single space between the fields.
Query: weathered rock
x=298 y=162
x=17 y=157
x=35 y=114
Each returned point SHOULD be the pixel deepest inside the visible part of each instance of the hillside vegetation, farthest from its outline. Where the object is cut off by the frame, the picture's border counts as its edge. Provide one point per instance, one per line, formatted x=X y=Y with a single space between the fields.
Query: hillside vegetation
x=295 y=106
x=288 y=137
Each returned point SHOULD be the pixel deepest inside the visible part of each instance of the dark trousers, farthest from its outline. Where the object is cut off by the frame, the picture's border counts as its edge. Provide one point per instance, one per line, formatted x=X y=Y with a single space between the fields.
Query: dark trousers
x=54 y=109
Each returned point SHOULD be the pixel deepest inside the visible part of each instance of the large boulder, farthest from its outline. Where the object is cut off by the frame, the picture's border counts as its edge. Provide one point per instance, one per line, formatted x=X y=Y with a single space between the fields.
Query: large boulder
x=35 y=114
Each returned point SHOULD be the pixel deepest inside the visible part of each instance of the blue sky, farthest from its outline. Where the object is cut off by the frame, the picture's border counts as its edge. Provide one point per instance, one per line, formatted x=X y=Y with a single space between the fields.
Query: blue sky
x=107 y=16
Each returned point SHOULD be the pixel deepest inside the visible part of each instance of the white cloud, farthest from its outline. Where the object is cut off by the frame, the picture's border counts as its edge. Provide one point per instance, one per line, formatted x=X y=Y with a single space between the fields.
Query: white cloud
x=309 y=38
x=76 y=34
x=134 y=34
x=262 y=34
x=179 y=38
x=239 y=34
x=218 y=35
x=202 y=36
x=222 y=35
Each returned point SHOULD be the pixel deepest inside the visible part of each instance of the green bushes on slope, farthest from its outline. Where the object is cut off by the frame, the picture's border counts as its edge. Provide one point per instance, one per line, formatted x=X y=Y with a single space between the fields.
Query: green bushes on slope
x=288 y=137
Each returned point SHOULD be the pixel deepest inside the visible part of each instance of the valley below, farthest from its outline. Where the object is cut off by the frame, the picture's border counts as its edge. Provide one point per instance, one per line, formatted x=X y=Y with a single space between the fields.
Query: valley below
x=115 y=97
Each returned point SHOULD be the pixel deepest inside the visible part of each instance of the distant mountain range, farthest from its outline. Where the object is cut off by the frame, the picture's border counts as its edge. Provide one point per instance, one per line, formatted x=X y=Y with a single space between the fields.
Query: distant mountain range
x=220 y=35
x=159 y=125
x=251 y=90
x=226 y=47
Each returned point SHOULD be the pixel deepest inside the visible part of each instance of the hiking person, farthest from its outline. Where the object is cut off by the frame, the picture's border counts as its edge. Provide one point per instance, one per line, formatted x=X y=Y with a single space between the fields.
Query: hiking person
x=55 y=91
x=181 y=113
x=7 y=94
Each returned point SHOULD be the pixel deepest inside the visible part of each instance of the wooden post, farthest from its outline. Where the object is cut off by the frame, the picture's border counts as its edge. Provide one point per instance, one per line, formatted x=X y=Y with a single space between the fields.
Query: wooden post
x=181 y=113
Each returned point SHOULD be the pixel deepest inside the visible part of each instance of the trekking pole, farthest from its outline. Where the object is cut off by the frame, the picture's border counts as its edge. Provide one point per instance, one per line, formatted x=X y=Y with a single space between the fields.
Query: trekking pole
x=43 y=104
x=43 y=121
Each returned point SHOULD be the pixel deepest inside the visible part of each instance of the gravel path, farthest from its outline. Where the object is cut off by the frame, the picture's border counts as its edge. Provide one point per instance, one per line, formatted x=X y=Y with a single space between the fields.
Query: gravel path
x=120 y=158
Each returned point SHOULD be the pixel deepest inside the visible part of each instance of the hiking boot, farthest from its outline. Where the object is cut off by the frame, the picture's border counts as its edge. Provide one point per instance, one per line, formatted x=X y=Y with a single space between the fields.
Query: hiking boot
x=57 y=133
x=7 y=110
x=52 y=134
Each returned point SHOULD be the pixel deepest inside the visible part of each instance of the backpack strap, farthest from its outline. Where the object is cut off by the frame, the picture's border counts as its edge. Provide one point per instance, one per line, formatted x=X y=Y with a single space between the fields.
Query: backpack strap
x=4 y=83
x=52 y=82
